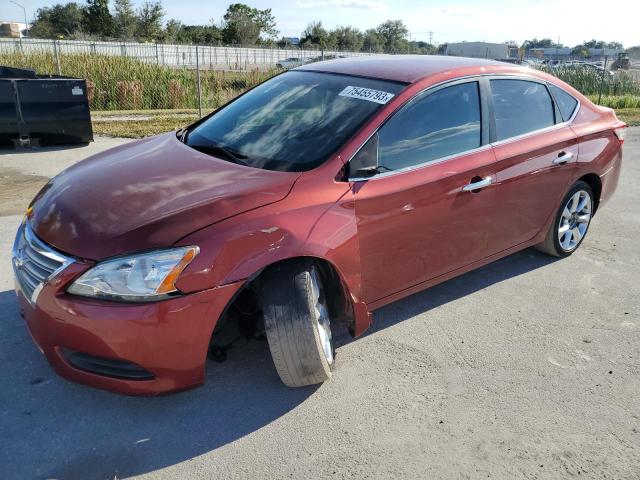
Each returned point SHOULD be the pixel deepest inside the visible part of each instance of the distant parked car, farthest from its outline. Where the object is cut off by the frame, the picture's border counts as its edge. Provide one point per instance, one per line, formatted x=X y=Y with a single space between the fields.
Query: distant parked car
x=312 y=200
x=292 y=62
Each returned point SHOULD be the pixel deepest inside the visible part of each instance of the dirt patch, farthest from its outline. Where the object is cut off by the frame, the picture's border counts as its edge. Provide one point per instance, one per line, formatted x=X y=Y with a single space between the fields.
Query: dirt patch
x=17 y=190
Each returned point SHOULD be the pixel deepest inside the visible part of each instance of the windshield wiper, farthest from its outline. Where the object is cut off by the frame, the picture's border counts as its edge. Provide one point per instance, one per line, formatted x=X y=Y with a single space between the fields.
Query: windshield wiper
x=182 y=134
x=214 y=149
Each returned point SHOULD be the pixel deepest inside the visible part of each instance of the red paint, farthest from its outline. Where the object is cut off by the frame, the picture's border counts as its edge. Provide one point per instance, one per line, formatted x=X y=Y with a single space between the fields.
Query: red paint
x=165 y=337
x=386 y=238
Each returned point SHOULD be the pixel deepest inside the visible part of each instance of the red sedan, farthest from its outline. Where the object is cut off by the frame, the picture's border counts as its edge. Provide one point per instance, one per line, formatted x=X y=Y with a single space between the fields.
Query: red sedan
x=313 y=199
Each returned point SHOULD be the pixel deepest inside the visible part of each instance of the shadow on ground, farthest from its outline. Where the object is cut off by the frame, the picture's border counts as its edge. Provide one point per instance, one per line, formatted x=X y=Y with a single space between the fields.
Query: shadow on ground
x=35 y=148
x=54 y=429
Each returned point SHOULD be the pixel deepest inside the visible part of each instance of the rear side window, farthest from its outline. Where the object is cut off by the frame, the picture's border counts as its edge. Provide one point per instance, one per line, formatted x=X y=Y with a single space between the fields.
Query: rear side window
x=566 y=103
x=434 y=126
x=520 y=107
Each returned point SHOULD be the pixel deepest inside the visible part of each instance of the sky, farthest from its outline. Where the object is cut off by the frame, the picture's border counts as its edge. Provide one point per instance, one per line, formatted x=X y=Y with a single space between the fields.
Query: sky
x=571 y=21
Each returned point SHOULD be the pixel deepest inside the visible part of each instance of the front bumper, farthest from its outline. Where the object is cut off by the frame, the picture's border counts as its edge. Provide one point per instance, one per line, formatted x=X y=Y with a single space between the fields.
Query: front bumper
x=169 y=339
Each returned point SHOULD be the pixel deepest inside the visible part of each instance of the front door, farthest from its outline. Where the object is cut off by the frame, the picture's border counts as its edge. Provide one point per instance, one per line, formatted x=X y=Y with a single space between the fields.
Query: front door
x=427 y=211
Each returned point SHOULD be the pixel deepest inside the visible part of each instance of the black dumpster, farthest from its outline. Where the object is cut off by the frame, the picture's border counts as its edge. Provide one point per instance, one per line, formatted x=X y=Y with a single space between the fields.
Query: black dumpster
x=42 y=109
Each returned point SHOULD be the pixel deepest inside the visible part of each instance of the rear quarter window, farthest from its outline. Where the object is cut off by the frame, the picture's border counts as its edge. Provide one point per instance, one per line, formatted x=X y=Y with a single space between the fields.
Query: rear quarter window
x=566 y=103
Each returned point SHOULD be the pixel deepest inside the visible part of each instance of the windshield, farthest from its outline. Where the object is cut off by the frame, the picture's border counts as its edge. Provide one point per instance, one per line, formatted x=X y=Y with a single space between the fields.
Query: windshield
x=292 y=122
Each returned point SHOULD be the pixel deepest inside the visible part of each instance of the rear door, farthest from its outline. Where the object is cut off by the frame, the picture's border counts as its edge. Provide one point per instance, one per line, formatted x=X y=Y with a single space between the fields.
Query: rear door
x=536 y=153
x=418 y=218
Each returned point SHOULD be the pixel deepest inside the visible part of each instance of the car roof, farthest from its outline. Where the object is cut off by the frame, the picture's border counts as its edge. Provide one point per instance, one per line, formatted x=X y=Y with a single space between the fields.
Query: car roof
x=399 y=68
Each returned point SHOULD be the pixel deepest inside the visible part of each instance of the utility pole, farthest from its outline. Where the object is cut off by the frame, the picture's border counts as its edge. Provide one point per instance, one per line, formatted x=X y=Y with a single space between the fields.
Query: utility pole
x=24 y=10
x=429 y=33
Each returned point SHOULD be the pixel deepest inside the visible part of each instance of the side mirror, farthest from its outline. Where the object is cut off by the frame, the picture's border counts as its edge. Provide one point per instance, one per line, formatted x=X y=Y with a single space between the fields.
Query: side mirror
x=365 y=162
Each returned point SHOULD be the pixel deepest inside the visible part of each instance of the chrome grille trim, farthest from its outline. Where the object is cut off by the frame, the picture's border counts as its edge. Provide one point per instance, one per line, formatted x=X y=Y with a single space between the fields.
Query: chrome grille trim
x=34 y=262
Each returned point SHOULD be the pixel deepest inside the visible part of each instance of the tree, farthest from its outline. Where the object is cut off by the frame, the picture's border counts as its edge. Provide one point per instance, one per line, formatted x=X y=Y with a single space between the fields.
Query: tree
x=316 y=36
x=96 y=18
x=347 y=39
x=245 y=25
x=285 y=42
x=542 y=43
x=394 y=35
x=124 y=20
x=149 y=21
x=58 y=21
x=172 y=30
x=601 y=44
x=580 y=51
x=422 y=48
x=203 y=34
x=371 y=41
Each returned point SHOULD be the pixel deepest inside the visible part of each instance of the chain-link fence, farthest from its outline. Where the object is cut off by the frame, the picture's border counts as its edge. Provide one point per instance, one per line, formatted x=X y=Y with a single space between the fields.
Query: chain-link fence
x=209 y=57
x=135 y=76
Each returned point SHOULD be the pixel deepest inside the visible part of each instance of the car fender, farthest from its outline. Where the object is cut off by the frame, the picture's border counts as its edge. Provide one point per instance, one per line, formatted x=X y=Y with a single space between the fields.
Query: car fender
x=310 y=222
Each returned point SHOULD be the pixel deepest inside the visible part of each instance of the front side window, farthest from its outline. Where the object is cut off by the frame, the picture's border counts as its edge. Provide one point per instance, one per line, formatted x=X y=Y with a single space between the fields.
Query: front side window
x=520 y=106
x=566 y=103
x=292 y=122
x=438 y=125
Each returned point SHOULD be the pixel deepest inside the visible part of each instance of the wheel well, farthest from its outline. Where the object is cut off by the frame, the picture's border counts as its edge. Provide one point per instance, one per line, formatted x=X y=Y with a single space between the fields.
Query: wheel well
x=243 y=315
x=340 y=306
x=596 y=185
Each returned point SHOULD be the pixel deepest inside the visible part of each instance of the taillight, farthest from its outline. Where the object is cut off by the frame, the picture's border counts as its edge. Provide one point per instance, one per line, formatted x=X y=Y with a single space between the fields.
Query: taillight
x=620 y=133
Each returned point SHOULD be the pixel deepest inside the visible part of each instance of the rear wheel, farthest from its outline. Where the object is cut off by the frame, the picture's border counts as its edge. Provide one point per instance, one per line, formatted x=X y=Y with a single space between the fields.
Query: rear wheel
x=297 y=324
x=571 y=223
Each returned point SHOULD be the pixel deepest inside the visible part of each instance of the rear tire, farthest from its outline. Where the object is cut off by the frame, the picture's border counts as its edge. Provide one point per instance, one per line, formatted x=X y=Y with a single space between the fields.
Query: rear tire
x=297 y=324
x=571 y=222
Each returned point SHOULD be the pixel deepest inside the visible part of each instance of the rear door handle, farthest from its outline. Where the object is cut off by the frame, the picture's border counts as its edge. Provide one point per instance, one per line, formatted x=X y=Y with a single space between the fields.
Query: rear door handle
x=485 y=182
x=563 y=158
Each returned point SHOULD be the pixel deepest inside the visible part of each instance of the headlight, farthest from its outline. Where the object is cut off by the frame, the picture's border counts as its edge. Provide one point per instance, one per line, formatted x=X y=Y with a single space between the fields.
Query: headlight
x=135 y=278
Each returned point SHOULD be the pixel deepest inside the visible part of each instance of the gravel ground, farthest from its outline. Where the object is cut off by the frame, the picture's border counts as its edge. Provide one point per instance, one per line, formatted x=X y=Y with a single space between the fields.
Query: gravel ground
x=527 y=368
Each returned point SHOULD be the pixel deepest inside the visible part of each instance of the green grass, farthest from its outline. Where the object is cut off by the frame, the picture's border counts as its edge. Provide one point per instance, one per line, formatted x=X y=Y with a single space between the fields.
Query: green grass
x=617 y=101
x=142 y=128
x=167 y=111
x=121 y=83
x=631 y=116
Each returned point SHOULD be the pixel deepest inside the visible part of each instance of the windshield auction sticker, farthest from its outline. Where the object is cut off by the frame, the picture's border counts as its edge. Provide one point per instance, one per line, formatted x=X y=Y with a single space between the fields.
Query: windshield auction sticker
x=377 y=96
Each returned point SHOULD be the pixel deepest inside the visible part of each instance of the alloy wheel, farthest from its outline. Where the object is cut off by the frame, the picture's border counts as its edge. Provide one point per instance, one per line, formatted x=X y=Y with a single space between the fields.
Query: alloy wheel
x=323 y=320
x=574 y=220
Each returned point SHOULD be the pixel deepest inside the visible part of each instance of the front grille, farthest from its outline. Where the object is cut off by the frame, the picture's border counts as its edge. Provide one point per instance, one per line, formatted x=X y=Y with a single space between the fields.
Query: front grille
x=106 y=366
x=34 y=262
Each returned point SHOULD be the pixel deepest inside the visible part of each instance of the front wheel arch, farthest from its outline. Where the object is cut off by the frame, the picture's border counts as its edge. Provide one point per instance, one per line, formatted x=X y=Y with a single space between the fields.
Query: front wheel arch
x=339 y=296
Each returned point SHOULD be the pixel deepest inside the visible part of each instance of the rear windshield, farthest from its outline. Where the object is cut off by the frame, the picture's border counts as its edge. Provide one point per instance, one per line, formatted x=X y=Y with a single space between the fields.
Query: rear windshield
x=292 y=122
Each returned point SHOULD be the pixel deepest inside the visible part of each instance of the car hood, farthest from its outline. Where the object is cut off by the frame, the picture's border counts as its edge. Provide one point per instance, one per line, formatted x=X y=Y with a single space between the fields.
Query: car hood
x=147 y=194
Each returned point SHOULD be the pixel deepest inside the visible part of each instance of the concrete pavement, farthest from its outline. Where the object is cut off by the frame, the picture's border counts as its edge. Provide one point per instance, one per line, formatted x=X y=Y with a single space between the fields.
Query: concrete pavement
x=527 y=368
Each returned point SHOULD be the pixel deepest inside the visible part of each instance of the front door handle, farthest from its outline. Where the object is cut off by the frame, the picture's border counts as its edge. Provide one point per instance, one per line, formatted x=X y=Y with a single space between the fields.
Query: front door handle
x=485 y=182
x=563 y=158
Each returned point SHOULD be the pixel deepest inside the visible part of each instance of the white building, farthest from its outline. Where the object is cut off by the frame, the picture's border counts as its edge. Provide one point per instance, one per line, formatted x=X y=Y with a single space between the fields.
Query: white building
x=12 y=29
x=494 y=51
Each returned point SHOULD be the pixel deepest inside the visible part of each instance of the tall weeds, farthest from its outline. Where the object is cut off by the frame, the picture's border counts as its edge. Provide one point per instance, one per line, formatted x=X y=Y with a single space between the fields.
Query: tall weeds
x=122 y=83
x=118 y=83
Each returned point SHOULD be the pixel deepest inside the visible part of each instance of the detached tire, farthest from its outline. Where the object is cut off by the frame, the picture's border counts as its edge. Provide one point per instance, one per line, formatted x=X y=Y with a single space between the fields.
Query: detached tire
x=297 y=324
x=571 y=222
